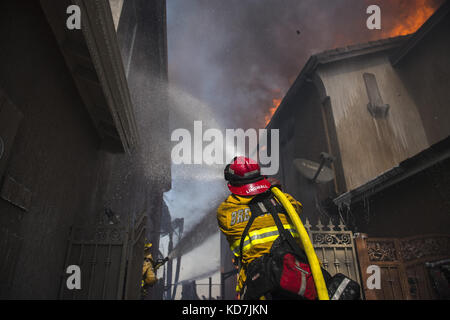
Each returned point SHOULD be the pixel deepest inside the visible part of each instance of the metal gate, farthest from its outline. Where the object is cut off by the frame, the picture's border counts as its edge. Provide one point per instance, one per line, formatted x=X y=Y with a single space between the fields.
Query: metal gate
x=110 y=258
x=335 y=248
x=135 y=260
x=405 y=264
x=10 y=244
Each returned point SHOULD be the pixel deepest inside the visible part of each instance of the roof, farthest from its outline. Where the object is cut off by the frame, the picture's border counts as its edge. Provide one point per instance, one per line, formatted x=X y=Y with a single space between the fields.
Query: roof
x=415 y=38
x=407 y=168
x=95 y=62
x=360 y=49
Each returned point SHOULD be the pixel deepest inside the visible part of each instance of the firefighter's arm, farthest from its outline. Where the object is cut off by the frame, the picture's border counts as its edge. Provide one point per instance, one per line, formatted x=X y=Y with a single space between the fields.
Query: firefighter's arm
x=150 y=277
x=224 y=213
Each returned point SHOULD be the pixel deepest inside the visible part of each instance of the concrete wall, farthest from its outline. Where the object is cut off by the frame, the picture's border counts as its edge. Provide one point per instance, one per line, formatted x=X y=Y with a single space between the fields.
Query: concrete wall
x=425 y=72
x=369 y=146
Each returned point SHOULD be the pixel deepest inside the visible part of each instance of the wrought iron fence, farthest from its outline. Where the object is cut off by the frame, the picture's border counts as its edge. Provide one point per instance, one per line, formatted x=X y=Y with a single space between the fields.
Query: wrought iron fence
x=335 y=248
x=110 y=258
x=10 y=244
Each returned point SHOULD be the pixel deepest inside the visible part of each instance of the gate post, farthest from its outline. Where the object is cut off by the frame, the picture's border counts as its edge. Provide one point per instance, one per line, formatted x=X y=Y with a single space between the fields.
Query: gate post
x=364 y=263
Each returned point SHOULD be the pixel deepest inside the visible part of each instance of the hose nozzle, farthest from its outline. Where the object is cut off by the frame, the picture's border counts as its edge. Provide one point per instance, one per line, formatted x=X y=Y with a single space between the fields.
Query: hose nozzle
x=160 y=262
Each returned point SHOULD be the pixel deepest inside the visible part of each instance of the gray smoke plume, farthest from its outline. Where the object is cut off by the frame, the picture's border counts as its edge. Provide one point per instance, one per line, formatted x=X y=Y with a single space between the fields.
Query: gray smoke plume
x=204 y=229
x=238 y=55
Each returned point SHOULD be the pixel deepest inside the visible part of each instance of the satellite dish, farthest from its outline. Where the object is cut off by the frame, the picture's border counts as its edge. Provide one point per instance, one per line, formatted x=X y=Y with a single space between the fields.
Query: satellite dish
x=309 y=169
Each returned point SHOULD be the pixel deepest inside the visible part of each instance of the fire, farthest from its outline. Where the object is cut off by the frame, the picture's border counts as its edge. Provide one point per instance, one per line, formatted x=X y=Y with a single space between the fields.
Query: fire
x=409 y=16
x=413 y=20
x=275 y=104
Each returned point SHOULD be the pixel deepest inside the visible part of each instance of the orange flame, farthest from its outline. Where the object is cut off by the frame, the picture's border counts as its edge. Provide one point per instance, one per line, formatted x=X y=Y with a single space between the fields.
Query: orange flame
x=275 y=104
x=412 y=21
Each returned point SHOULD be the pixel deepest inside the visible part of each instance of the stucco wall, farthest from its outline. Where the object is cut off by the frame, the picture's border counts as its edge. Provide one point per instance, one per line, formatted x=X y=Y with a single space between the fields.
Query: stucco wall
x=370 y=146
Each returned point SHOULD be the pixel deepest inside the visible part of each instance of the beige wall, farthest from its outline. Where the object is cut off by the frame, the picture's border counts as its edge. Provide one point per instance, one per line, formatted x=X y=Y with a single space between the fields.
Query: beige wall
x=371 y=146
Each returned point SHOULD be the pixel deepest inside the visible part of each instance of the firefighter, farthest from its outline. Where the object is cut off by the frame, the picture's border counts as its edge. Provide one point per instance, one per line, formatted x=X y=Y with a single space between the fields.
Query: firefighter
x=148 y=270
x=150 y=267
x=276 y=257
x=245 y=182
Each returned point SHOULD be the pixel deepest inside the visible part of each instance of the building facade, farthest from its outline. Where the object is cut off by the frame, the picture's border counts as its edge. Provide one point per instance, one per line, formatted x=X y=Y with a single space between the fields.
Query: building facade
x=82 y=149
x=380 y=109
x=371 y=106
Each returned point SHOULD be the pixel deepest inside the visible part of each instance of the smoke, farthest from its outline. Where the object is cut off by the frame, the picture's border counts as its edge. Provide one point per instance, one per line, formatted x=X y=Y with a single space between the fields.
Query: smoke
x=198 y=277
x=239 y=55
x=197 y=191
x=197 y=235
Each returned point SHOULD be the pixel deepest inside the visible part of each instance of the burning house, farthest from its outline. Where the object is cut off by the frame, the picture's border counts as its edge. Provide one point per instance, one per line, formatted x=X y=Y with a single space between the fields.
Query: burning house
x=83 y=165
x=359 y=166
x=322 y=110
x=376 y=117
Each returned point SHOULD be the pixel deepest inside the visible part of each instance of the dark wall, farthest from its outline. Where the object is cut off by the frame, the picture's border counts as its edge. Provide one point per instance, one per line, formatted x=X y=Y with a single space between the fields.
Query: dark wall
x=303 y=135
x=146 y=65
x=57 y=156
x=417 y=205
x=425 y=71
x=54 y=154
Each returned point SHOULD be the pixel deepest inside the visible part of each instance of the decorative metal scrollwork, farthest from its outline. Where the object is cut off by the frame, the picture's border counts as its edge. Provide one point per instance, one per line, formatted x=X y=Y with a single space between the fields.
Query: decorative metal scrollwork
x=412 y=249
x=331 y=239
x=98 y=235
x=101 y=235
x=381 y=251
x=115 y=235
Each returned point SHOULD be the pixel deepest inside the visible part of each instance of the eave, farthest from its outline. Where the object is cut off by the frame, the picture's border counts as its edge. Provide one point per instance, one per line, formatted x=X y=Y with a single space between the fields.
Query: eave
x=93 y=57
x=433 y=155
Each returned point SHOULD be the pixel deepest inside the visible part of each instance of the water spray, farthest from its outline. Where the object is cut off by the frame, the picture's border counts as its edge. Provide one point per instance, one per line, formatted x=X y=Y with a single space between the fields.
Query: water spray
x=205 y=228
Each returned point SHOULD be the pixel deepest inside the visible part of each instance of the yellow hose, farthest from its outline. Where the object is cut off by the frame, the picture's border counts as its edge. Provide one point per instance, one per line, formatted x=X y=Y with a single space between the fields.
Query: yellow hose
x=319 y=281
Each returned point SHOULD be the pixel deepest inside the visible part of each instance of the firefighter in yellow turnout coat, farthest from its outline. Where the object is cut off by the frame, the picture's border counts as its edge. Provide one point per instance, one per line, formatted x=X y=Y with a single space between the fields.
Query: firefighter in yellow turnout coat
x=245 y=182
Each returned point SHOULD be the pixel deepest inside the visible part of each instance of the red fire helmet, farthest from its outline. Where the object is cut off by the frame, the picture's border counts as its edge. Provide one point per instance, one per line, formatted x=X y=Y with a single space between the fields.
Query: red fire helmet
x=244 y=177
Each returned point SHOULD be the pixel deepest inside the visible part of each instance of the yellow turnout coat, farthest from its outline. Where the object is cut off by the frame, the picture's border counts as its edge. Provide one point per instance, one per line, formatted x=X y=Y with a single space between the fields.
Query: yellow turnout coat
x=232 y=217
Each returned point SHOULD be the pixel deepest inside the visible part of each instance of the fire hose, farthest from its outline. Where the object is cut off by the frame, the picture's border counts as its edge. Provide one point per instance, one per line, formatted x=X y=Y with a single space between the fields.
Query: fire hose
x=316 y=270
